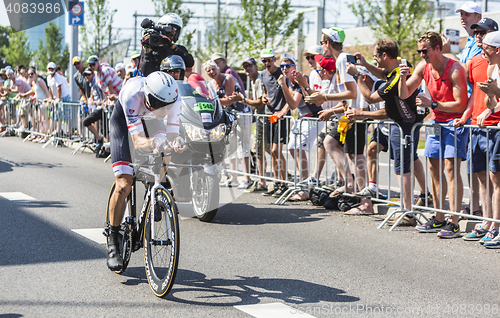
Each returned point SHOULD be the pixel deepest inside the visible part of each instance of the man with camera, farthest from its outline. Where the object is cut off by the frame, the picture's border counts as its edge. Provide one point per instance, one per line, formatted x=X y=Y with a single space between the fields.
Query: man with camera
x=158 y=42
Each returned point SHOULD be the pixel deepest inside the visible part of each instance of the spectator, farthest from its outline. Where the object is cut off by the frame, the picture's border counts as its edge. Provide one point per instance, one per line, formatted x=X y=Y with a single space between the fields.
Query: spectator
x=445 y=80
x=220 y=60
x=260 y=145
x=490 y=48
x=226 y=85
x=83 y=88
x=18 y=86
x=275 y=101
x=3 y=100
x=96 y=103
x=136 y=60
x=120 y=70
x=106 y=77
x=314 y=79
x=332 y=46
x=295 y=86
x=7 y=96
x=41 y=92
x=59 y=92
x=129 y=72
x=477 y=70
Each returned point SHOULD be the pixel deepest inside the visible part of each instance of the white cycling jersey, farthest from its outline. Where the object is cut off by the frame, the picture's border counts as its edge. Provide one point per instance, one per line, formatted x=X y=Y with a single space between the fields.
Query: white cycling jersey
x=132 y=100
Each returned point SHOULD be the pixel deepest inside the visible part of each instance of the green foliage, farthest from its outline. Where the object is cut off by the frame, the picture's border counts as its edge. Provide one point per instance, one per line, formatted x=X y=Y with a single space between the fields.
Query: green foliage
x=97 y=33
x=163 y=7
x=18 y=50
x=265 y=24
x=215 y=37
x=400 y=20
x=4 y=42
x=51 y=50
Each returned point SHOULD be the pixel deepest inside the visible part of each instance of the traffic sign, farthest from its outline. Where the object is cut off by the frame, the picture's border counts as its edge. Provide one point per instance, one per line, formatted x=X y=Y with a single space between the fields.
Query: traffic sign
x=75 y=16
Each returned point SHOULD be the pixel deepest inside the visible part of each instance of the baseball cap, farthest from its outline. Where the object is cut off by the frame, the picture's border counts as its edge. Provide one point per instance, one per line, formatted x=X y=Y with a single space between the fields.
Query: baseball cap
x=119 y=66
x=88 y=70
x=249 y=60
x=9 y=71
x=267 y=53
x=470 y=7
x=76 y=59
x=8 y=67
x=51 y=65
x=363 y=70
x=3 y=71
x=93 y=59
x=486 y=24
x=314 y=50
x=335 y=34
x=326 y=62
x=288 y=56
x=130 y=68
x=492 y=39
x=136 y=54
x=217 y=56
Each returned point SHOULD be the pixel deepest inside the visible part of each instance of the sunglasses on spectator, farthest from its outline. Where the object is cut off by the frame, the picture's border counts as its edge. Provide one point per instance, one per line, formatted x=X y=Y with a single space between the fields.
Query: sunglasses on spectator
x=267 y=60
x=286 y=65
x=480 y=32
x=91 y=64
x=422 y=51
x=29 y=74
x=320 y=69
x=323 y=42
x=309 y=57
x=76 y=63
x=247 y=65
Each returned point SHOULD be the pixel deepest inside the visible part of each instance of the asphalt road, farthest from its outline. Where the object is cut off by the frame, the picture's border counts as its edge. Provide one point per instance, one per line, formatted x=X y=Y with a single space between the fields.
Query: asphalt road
x=255 y=259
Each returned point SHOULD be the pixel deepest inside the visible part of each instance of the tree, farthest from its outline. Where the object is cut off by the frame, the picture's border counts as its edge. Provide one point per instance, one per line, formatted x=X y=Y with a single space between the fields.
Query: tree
x=51 y=50
x=4 y=42
x=163 y=7
x=400 y=20
x=97 y=35
x=265 y=24
x=18 y=50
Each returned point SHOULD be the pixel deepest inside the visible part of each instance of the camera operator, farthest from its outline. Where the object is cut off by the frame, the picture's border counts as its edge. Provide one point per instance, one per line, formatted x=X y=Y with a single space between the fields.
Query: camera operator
x=158 y=42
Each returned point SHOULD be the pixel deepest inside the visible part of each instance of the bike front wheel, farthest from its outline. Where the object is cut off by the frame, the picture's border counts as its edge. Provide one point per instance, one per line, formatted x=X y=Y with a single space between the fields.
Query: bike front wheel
x=161 y=243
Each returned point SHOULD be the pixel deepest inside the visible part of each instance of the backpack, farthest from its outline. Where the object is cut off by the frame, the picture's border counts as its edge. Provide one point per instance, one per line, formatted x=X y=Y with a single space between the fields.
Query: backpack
x=346 y=203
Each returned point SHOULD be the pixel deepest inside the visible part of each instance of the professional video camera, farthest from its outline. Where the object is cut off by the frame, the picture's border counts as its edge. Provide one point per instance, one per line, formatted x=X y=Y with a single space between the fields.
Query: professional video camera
x=154 y=31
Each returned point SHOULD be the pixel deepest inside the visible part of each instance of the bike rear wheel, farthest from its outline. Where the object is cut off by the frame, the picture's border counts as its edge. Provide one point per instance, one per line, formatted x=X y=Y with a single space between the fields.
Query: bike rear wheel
x=125 y=237
x=161 y=248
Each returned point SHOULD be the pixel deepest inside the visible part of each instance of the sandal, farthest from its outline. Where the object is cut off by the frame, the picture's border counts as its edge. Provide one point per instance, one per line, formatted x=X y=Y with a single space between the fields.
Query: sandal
x=301 y=196
x=357 y=211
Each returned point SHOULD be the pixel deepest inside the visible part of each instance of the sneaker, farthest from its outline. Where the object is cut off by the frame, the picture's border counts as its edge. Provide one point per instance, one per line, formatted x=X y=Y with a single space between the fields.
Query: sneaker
x=450 y=230
x=245 y=184
x=366 y=193
x=432 y=226
x=309 y=182
x=494 y=243
x=256 y=187
x=406 y=221
x=476 y=234
x=489 y=236
x=98 y=147
x=271 y=189
x=420 y=201
x=230 y=184
x=279 y=192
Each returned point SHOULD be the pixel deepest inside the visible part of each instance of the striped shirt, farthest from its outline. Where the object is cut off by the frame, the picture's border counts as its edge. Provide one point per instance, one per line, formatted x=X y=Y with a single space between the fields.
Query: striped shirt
x=105 y=75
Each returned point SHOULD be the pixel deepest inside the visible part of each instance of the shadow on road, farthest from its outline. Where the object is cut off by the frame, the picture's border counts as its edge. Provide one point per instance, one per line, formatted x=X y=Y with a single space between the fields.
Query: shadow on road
x=195 y=289
x=27 y=239
x=245 y=214
x=7 y=166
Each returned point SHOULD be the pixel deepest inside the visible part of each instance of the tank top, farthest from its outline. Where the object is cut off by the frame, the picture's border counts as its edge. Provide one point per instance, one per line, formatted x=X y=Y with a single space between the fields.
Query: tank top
x=239 y=107
x=39 y=93
x=441 y=90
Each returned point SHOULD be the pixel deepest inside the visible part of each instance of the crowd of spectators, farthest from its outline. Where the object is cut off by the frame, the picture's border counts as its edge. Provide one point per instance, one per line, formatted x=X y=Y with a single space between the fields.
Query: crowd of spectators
x=341 y=86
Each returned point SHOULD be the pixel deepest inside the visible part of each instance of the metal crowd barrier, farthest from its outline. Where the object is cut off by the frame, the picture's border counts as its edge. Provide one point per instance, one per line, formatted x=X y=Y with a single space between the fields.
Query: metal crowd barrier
x=384 y=184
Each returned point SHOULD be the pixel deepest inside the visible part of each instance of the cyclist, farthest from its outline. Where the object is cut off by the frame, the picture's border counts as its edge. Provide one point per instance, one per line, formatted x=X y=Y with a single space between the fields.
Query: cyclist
x=146 y=115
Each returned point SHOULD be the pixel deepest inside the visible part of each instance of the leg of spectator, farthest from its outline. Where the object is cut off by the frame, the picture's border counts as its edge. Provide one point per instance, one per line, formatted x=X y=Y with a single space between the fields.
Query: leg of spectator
x=360 y=165
x=420 y=175
x=455 y=194
x=486 y=199
x=336 y=152
x=438 y=189
x=407 y=194
x=495 y=200
x=320 y=163
x=476 y=193
x=274 y=159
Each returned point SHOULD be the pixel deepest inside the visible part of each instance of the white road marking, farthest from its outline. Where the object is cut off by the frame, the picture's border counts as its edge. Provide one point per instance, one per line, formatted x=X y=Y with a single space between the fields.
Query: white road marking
x=92 y=234
x=16 y=196
x=272 y=310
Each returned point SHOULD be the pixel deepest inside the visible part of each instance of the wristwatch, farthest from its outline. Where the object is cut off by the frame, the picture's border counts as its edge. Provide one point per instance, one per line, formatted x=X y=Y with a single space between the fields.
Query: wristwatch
x=434 y=104
x=308 y=88
x=356 y=76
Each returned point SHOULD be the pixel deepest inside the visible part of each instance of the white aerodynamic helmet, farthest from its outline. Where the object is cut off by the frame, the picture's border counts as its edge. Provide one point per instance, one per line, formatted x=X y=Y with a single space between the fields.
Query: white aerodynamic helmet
x=160 y=90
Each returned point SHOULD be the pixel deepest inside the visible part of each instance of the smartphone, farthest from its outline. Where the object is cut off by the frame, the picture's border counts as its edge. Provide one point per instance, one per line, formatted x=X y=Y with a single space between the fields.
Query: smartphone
x=403 y=61
x=351 y=59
